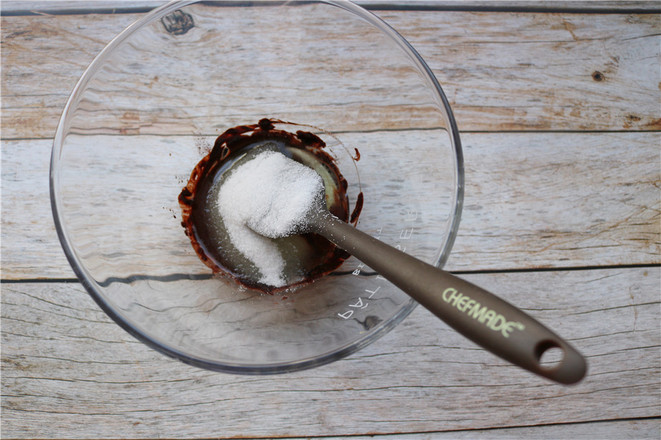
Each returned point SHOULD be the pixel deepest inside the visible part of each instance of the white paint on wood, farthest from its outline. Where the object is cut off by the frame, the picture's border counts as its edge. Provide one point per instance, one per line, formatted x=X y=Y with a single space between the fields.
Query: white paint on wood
x=532 y=200
x=68 y=371
x=503 y=71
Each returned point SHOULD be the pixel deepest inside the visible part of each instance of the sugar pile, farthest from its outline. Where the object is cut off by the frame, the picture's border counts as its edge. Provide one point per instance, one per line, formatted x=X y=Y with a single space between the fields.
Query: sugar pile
x=270 y=194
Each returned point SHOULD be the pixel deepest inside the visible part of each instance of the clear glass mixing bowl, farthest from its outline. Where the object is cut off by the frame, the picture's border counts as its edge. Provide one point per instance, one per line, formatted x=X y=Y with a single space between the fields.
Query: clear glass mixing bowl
x=150 y=106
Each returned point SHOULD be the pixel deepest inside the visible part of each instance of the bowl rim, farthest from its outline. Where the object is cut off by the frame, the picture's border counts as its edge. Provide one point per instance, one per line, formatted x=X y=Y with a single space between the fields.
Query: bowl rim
x=272 y=368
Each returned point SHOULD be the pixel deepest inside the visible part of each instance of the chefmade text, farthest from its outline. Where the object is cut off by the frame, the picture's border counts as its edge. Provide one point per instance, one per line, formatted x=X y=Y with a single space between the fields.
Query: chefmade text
x=483 y=314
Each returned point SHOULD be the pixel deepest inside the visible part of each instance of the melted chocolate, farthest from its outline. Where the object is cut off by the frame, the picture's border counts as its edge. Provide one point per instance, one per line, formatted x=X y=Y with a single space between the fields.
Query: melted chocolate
x=311 y=255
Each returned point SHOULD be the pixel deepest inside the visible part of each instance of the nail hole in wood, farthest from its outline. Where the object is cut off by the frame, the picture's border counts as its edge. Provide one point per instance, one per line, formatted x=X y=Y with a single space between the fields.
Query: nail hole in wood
x=178 y=23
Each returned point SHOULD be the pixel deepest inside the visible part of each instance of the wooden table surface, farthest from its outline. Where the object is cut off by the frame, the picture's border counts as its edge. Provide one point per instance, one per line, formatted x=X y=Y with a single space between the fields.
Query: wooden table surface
x=559 y=107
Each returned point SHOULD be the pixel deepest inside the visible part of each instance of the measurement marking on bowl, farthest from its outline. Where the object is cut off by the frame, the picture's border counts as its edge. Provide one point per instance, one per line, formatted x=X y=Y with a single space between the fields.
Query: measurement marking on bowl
x=361 y=303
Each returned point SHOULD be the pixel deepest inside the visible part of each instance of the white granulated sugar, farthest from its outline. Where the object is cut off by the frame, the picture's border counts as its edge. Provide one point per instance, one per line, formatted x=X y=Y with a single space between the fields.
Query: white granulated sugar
x=270 y=194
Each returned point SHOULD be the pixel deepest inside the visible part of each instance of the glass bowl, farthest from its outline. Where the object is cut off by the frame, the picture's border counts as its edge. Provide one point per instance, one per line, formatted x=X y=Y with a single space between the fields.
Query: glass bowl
x=150 y=106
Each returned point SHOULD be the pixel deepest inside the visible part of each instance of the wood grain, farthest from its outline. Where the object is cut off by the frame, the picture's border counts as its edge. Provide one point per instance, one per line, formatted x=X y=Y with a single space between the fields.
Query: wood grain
x=505 y=71
x=559 y=109
x=68 y=371
x=532 y=200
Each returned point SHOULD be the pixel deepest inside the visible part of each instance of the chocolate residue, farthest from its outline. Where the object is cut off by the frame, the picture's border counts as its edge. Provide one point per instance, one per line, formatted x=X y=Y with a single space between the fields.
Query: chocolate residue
x=357 y=209
x=228 y=146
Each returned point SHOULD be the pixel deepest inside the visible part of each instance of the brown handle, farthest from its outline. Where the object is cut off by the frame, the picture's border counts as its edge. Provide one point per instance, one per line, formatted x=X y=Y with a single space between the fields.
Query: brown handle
x=477 y=314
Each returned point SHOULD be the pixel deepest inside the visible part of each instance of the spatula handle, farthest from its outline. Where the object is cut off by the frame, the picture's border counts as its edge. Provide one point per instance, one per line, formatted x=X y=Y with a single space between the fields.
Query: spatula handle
x=479 y=315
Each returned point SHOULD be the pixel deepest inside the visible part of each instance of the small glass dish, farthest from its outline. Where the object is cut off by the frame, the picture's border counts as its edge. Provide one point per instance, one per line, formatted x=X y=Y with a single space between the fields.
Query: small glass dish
x=150 y=106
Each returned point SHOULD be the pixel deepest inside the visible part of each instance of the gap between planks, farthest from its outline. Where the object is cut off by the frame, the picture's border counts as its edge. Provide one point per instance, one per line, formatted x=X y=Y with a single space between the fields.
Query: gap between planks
x=454 y=272
x=616 y=429
x=388 y=130
x=19 y=8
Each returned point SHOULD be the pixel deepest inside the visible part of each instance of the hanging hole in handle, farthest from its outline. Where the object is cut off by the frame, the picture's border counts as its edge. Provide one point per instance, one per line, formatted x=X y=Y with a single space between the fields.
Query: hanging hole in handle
x=549 y=354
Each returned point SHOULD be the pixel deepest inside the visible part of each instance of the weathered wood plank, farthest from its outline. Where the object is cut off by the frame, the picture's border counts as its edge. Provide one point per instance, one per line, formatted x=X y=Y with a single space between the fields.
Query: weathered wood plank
x=546 y=72
x=506 y=71
x=68 y=371
x=532 y=200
